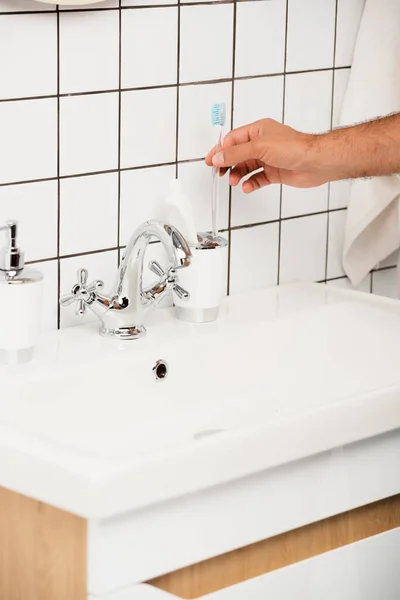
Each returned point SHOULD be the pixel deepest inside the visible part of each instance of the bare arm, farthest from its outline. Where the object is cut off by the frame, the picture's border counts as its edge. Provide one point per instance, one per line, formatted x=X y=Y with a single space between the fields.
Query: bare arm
x=275 y=153
x=365 y=150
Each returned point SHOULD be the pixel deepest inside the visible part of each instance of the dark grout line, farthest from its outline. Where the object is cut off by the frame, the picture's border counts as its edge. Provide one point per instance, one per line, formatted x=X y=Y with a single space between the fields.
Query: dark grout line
x=228 y=283
x=26 y=98
x=58 y=175
x=331 y=126
x=178 y=77
x=283 y=219
x=224 y=230
x=379 y=269
x=106 y=172
x=278 y=273
x=119 y=127
x=27 y=181
x=168 y=85
x=114 y=8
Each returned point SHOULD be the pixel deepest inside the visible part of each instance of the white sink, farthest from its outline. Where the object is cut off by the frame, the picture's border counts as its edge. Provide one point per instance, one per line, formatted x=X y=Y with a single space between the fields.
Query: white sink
x=285 y=373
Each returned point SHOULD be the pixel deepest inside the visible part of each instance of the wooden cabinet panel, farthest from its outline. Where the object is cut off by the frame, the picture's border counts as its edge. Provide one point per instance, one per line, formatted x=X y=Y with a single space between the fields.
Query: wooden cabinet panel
x=283 y=550
x=42 y=551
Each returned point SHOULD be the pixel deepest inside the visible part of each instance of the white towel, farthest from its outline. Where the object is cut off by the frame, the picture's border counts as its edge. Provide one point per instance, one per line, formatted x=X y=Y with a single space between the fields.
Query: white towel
x=373 y=218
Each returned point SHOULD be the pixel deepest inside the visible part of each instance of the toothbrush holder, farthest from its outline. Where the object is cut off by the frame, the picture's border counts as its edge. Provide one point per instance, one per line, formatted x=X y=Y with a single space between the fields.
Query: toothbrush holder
x=205 y=280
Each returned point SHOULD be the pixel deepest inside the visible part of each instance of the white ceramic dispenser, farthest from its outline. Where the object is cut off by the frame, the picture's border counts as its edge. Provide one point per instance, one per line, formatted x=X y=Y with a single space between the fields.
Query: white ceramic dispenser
x=20 y=302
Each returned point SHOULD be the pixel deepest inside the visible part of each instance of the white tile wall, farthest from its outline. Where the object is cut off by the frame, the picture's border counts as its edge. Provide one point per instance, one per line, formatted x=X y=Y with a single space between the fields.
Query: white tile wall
x=88 y=213
x=89 y=47
x=148 y=127
x=141 y=66
x=260 y=37
x=348 y=20
x=206 y=42
x=386 y=283
x=308 y=101
x=28 y=47
x=88 y=133
x=254 y=257
x=303 y=249
x=100 y=109
x=311 y=34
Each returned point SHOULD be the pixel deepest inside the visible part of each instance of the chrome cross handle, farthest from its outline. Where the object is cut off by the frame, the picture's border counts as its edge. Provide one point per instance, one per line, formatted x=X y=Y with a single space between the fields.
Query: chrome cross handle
x=82 y=292
x=170 y=278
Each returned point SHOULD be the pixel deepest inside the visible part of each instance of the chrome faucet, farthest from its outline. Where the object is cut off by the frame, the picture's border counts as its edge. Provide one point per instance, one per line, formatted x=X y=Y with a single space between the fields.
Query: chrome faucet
x=122 y=312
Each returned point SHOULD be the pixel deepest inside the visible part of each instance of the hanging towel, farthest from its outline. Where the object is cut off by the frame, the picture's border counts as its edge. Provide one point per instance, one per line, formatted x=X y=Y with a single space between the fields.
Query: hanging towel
x=373 y=219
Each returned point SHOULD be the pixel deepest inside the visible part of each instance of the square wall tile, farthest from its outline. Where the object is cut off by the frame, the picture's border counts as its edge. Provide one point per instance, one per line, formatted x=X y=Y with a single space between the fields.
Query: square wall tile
x=139 y=30
x=197 y=178
x=24 y=6
x=256 y=99
x=258 y=207
x=197 y=135
x=337 y=222
x=88 y=133
x=311 y=34
x=303 y=249
x=206 y=45
x=49 y=319
x=386 y=283
x=390 y=261
x=102 y=265
x=28 y=140
x=308 y=101
x=89 y=213
x=28 y=55
x=303 y=201
x=89 y=51
x=148 y=129
x=254 y=258
x=341 y=80
x=34 y=205
x=345 y=283
x=260 y=37
x=348 y=22
x=339 y=193
x=142 y=195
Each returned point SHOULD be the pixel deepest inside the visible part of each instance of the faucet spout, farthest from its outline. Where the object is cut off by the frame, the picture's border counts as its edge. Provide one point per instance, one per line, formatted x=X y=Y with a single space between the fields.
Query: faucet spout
x=122 y=312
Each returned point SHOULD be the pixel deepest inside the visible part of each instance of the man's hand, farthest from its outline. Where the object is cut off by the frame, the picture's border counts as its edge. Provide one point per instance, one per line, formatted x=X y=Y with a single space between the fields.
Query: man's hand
x=273 y=153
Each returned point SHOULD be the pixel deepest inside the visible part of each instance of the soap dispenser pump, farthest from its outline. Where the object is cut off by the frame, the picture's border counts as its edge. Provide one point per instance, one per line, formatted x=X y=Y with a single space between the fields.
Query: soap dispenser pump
x=20 y=301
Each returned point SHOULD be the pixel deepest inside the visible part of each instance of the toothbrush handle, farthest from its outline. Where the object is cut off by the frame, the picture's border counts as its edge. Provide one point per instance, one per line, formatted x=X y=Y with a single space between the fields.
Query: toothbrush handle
x=215 y=201
x=215 y=190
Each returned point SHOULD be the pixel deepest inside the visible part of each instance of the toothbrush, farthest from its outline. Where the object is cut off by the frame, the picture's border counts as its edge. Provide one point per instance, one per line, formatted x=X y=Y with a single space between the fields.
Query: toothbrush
x=218 y=116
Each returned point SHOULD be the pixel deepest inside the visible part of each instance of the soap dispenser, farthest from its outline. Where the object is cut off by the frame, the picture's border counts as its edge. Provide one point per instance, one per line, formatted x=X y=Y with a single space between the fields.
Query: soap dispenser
x=20 y=302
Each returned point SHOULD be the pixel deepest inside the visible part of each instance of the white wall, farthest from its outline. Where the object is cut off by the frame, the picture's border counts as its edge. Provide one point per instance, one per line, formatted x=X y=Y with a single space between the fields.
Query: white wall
x=100 y=107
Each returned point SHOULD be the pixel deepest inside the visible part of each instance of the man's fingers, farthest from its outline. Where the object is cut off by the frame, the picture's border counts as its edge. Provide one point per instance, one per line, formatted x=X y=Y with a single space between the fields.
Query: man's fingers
x=241 y=135
x=267 y=176
x=234 y=155
x=255 y=182
x=241 y=170
x=210 y=155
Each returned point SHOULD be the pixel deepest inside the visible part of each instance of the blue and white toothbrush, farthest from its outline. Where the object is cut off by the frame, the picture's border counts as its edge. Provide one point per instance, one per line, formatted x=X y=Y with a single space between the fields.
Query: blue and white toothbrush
x=218 y=116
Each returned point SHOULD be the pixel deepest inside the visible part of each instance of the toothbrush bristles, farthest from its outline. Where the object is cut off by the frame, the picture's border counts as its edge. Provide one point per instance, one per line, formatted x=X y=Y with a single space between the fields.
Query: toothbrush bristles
x=218 y=114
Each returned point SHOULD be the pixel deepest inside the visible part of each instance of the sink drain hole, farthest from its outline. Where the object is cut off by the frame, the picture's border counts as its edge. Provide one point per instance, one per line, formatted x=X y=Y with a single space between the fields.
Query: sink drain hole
x=160 y=370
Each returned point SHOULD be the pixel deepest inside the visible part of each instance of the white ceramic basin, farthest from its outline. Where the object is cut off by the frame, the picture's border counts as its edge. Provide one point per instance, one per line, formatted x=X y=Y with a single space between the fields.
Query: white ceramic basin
x=284 y=374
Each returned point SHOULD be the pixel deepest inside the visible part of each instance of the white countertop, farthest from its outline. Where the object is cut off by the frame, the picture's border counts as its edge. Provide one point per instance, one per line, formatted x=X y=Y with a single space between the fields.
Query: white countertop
x=285 y=373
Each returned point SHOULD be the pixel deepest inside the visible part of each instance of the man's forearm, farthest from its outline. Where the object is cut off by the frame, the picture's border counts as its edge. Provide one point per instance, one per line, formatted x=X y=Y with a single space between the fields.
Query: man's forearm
x=365 y=150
